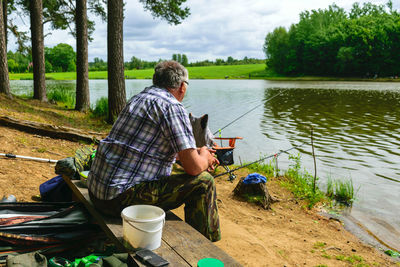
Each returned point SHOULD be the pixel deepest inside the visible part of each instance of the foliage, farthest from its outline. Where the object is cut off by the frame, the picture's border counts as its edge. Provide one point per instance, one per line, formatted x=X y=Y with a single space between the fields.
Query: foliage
x=362 y=43
x=301 y=182
x=62 y=94
x=341 y=190
x=264 y=168
x=62 y=58
x=137 y=63
x=20 y=62
x=181 y=58
x=101 y=108
x=229 y=61
x=170 y=10
x=97 y=65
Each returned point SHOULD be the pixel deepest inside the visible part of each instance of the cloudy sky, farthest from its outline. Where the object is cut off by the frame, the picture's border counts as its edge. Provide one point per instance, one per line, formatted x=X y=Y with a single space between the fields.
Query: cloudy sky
x=215 y=29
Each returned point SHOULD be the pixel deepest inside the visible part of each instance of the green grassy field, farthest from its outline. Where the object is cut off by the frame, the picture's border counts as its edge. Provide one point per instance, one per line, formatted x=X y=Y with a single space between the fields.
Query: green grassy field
x=209 y=72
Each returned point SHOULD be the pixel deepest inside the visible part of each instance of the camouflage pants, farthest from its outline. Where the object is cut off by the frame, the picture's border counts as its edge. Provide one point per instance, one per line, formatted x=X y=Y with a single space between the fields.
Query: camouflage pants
x=198 y=193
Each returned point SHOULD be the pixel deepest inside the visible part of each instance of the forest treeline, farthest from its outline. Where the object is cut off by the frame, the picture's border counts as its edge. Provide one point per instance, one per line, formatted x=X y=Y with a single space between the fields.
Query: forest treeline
x=62 y=58
x=363 y=42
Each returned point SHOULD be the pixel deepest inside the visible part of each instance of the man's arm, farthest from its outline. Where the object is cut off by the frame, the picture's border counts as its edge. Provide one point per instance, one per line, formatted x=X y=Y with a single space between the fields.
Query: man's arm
x=195 y=161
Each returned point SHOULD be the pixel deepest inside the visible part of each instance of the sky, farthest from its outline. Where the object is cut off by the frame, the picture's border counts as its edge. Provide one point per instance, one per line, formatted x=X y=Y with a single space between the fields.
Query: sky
x=215 y=29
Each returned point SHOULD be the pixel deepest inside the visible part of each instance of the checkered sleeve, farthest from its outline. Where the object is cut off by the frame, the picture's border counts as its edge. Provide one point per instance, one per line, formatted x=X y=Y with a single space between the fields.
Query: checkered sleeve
x=177 y=129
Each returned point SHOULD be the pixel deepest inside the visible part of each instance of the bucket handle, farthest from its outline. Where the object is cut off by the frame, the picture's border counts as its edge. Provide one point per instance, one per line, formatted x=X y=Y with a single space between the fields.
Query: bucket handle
x=146 y=231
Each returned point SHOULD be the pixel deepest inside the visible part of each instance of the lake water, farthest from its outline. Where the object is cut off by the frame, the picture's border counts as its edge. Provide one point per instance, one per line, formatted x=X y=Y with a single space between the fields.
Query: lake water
x=356 y=133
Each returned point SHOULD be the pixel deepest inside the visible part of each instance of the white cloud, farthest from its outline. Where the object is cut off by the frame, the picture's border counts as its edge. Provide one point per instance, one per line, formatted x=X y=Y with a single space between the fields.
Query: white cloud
x=215 y=29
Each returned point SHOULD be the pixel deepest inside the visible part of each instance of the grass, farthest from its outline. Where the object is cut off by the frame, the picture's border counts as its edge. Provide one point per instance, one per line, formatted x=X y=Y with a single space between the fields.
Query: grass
x=301 y=183
x=208 y=72
x=101 y=108
x=341 y=190
x=265 y=168
x=250 y=71
x=63 y=95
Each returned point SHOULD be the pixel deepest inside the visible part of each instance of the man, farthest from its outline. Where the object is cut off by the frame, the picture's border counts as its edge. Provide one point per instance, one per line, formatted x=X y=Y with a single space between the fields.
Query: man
x=133 y=163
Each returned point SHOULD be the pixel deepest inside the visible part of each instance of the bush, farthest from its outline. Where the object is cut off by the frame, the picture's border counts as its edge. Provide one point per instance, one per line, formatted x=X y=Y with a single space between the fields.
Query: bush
x=302 y=183
x=62 y=94
x=101 y=108
x=341 y=191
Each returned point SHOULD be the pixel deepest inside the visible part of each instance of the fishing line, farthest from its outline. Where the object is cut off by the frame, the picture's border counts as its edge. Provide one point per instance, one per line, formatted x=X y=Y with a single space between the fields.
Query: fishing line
x=219 y=130
x=262 y=159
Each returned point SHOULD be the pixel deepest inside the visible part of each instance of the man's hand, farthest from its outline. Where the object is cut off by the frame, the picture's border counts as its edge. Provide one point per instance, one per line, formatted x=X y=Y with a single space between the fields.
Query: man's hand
x=211 y=159
x=195 y=161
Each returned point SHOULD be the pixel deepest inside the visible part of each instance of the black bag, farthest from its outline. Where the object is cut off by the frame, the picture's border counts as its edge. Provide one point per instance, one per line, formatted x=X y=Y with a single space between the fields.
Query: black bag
x=49 y=228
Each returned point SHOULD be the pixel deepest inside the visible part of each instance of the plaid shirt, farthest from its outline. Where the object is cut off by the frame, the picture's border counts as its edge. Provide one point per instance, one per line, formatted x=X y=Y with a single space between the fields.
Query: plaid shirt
x=142 y=144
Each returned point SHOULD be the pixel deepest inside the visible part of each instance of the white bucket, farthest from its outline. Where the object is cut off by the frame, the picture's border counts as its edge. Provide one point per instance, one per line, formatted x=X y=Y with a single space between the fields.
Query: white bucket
x=142 y=226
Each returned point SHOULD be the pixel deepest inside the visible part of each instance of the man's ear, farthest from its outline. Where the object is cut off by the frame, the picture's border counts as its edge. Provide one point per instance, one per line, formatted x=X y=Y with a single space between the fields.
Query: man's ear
x=204 y=121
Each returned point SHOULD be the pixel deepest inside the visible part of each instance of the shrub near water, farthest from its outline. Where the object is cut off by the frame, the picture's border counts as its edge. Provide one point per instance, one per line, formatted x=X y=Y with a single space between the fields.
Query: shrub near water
x=101 y=108
x=301 y=183
x=341 y=190
x=63 y=95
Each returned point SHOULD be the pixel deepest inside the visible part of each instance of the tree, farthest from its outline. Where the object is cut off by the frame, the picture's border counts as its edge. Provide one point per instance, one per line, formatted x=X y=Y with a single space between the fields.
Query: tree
x=4 y=79
x=39 y=86
x=115 y=59
x=184 y=60
x=169 y=10
x=174 y=57
x=61 y=56
x=82 y=68
x=4 y=3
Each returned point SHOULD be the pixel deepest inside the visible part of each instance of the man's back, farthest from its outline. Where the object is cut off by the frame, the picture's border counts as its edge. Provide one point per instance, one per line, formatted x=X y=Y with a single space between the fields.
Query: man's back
x=142 y=144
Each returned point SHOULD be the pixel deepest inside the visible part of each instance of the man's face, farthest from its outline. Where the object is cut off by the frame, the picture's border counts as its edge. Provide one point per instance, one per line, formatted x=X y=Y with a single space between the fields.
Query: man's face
x=185 y=85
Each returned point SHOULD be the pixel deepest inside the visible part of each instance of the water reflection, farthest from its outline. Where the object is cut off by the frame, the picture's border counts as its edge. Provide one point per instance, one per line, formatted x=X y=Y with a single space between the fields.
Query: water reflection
x=356 y=135
x=360 y=126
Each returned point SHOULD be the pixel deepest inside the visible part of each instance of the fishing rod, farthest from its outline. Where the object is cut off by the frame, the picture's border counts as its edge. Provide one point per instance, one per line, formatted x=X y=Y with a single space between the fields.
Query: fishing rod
x=12 y=156
x=262 y=159
x=219 y=130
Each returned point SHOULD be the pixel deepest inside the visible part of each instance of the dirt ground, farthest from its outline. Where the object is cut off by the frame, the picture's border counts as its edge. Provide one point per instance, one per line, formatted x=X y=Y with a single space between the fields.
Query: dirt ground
x=287 y=235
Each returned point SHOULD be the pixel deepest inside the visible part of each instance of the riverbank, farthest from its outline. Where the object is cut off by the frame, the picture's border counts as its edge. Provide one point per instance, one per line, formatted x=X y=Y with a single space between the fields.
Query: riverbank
x=287 y=234
x=250 y=71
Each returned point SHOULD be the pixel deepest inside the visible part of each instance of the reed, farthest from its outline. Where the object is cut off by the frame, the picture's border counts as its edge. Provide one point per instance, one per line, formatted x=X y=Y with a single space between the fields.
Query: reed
x=344 y=191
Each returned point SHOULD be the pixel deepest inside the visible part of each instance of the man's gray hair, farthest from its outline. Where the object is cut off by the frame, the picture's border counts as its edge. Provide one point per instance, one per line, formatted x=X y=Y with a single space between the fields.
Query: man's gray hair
x=169 y=74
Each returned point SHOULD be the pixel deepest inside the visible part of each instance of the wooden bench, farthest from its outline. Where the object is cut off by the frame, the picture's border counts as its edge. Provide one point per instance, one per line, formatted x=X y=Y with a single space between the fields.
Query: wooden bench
x=181 y=244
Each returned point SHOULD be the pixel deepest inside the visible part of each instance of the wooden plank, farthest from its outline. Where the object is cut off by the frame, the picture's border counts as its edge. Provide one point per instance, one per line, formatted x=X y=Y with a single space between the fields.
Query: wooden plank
x=112 y=227
x=181 y=244
x=192 y=245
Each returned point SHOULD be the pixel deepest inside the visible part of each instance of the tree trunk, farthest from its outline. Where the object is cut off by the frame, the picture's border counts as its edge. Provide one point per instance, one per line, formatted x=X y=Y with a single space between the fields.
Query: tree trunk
x=4 y=79
x=257 y=193
x=115 y=59
x=82 y=75
x=39 y=85
x=5 y=20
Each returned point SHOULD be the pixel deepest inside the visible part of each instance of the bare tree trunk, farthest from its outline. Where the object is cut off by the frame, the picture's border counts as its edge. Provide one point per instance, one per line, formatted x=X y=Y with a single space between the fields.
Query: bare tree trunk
x=39 y=81
x=4 y=79
x=115 y=59
x=82 y=72
x=5 y=20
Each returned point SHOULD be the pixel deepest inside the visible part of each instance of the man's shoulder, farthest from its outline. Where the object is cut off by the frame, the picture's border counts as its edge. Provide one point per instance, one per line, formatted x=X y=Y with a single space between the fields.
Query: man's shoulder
x=160 y=96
